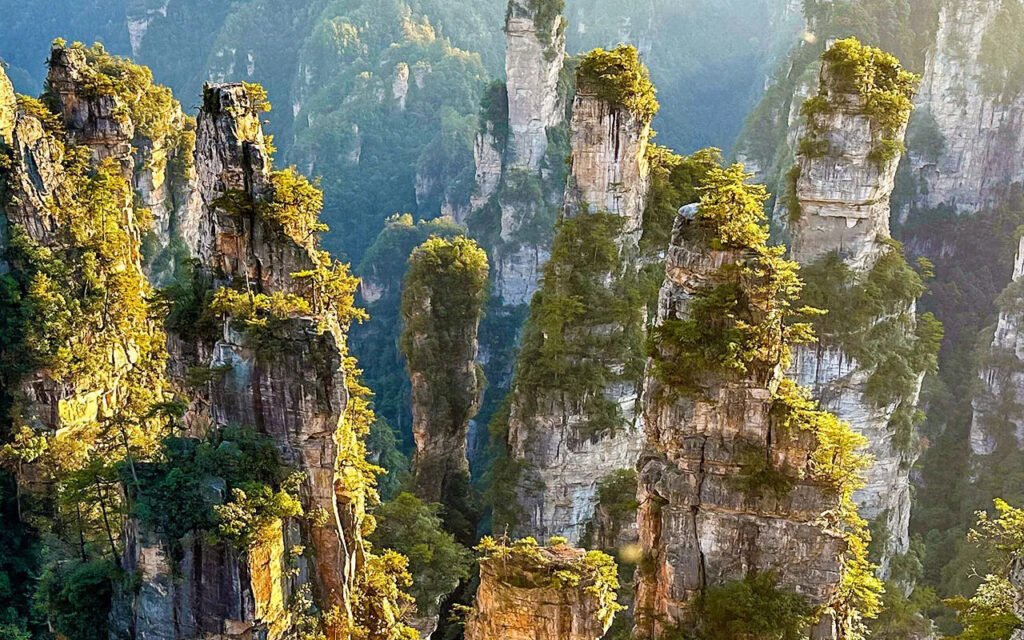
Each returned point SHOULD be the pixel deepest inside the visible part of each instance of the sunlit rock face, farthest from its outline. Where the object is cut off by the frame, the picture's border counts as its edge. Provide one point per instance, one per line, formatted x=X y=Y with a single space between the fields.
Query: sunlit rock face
x=519 y=600
x=39 y=189
x=548 y=433
x=296 y=395
x=970 y=123
x=697 y=529
x=844 y=194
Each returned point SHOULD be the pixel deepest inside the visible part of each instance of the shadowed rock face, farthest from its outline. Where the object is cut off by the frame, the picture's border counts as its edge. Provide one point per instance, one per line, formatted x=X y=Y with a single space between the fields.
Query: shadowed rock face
x=563 y=464
x=697 y=528
x=511 y=173
x=979 y=128
x=844 y=198
x=1002 y=378
x=444 y=400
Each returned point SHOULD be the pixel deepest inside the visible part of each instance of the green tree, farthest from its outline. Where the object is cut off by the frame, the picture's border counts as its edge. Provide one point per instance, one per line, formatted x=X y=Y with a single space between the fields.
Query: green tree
x=436 y=561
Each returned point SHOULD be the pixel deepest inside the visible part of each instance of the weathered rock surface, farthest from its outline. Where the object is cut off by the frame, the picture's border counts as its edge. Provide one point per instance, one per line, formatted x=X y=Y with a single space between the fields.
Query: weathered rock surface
x=697 y=529
x=8 y=107
x=524 y=601
x=563 y=464
x=1002 y=376
x=844 y=198
x=513 y=180
x=443 y=297
x=844 y=194
x=39 y=190
x=533 y=61
x=979 y=127
x=296 y=395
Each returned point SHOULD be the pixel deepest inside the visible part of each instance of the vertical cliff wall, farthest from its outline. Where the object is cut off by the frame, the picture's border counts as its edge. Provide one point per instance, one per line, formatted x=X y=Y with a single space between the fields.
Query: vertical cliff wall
x=997 y=424
x=556 y=592
x=114 y=108
x=442 y=301
x=258 y=343
x=871 y=357
x=535 y=52
x=520 y=150
x=572 y=406
x=743 y=481
x=67 y=192
x=970 y=121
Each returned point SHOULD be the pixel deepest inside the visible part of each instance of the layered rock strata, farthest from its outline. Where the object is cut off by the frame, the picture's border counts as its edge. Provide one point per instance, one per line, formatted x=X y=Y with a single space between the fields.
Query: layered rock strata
x=702 y=525
x=842 y=198
x=517 y=179
x=156 y=154
x=970 y=120
x=42 y=194
x=296 y=394
x=535 y=52
x=566 y=439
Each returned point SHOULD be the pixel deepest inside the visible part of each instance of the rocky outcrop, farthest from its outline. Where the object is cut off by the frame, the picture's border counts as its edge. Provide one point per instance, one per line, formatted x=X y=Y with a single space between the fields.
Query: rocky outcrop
x=846 y=172
x=843 y=207
x=970 y=121
x=155 y=154
x=543 y=593
x=565 y=438
x=442 y=302
x=996 y=422
x=715 y=448
x=8 y=107
x=42 y=193
x=535 y=52
x=296 y=394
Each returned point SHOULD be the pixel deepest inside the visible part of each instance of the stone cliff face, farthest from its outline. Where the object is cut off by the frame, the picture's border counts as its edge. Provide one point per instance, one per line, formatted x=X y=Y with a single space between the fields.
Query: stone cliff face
x=535 y=52
x=970 y=117
x=43 y=185
x=521 y=596
x=844 y=190
x=296 y=394
x=843 y=200
x=702 y=525
x=995 y=423
x=156 y=155
x=565 y=439
x=517 y=180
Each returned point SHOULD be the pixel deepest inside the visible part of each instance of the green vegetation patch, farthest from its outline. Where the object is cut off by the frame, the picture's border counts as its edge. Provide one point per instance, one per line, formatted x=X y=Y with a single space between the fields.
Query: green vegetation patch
x=1002 y=51
x=436 y=561
x=885 y=88
x=743 y=324
x=871 y=317
x=525 y=564
x=230 y=486
x=619 y=77
x=754 y=608
x=584 y=333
